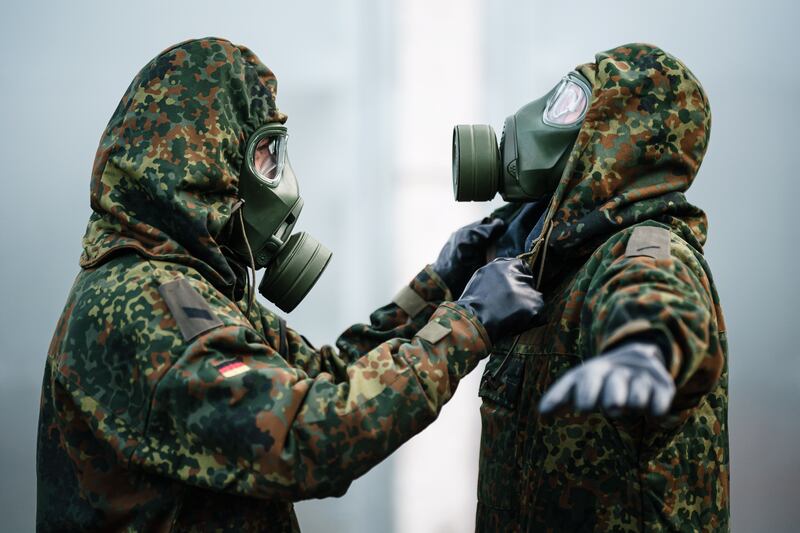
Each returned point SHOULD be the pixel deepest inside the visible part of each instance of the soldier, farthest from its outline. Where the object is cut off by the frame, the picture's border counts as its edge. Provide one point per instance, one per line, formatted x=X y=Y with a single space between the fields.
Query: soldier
x=171 y=399
x=611 y=415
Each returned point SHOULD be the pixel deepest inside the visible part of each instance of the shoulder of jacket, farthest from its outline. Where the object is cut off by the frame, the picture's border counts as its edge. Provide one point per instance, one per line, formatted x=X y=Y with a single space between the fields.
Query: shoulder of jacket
x=649 y=240
x=194 y=303
x=646 y=239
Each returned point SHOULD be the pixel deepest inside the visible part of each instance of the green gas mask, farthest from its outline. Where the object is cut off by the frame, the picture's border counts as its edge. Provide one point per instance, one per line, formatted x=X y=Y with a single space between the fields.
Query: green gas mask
x=533 y=150
x=271 y=205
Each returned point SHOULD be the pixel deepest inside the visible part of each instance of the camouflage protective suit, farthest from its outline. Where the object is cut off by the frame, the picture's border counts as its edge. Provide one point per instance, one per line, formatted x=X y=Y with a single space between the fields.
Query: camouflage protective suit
x=620 y=257
x=163 y=418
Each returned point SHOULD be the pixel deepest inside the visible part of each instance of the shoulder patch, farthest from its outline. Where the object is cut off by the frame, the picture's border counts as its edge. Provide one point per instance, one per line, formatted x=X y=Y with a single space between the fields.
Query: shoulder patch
x=433 y=332
x=649 y=241
x=192 y=313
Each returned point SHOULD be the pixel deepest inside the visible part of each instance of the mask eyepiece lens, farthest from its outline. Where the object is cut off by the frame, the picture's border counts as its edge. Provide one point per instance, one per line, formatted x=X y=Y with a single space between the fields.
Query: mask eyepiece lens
x=568 y=104
x=268 y=158
x=266 y=161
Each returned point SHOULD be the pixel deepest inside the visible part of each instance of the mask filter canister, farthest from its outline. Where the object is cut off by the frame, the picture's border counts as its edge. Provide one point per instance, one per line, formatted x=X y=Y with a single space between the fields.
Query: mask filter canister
x=476 y=163
x=294 y=271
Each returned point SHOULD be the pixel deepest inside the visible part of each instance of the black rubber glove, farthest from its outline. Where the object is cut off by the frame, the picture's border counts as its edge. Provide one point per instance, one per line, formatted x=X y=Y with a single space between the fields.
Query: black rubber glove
x=502 y=296
x=629 y=378
x=465 y=251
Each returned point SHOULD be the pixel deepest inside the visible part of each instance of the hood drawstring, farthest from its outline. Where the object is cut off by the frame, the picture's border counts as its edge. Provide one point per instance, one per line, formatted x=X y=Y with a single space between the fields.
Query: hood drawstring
x=544 y=255
x=251 y=293
x=539 y=245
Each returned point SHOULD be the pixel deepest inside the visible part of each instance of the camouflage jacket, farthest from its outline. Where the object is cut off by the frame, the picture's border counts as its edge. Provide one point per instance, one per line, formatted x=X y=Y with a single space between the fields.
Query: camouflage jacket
x=620 y=257
x=165 y=407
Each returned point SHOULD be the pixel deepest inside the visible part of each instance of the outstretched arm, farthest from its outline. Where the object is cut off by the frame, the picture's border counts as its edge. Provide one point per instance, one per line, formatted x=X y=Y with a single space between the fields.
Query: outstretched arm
x=231 y=414
x=651 y=319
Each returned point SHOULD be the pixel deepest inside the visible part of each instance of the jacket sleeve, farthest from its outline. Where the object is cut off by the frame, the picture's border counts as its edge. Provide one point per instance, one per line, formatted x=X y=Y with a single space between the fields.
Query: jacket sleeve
x=668 y=300
x=232 y=415
x=403 y=317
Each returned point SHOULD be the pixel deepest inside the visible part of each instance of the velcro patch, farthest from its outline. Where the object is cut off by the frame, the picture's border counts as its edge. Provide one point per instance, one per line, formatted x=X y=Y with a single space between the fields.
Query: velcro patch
x=190 y=310
x=433 y=332
x=409 y=301
x=648 y=241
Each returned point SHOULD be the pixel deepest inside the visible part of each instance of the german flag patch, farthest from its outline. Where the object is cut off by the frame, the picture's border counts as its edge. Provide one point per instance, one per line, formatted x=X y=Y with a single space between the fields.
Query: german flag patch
x=231 y=368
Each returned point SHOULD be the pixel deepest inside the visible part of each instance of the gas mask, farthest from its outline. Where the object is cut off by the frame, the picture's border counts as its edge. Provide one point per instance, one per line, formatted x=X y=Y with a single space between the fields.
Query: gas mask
x=263 y=234
x=533 y=150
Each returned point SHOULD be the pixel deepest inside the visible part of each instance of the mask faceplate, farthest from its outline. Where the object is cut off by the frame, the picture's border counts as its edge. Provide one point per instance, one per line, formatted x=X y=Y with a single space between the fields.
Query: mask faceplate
x=533 y=150
x=272 y=204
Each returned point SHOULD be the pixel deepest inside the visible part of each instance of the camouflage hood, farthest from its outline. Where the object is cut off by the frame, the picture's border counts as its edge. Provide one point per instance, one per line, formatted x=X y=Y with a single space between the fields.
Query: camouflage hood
x=641 y=144
x=165 y=177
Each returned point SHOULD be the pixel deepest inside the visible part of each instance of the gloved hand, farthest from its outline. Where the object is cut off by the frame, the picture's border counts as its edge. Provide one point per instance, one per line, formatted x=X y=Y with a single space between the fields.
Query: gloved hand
x=502 y=297
x=465 y=251
x=631 y=377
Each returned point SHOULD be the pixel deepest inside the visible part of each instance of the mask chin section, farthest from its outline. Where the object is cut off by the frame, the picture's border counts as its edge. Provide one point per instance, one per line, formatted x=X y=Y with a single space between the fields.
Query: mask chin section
x=294 y=271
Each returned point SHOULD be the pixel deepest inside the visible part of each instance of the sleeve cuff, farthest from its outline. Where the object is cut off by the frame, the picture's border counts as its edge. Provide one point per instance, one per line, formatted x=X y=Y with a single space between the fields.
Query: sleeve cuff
x=426 y=288
x=641 y=329
x=469 y=316
x=431 y=286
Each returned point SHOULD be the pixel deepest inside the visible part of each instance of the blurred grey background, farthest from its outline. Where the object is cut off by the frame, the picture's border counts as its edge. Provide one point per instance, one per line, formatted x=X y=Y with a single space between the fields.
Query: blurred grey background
x=372 y=89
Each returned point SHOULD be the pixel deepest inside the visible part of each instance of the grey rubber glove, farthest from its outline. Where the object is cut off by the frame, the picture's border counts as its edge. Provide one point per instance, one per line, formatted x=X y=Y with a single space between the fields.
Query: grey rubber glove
x=628 y=378
x=502 y=297
x=465 y=252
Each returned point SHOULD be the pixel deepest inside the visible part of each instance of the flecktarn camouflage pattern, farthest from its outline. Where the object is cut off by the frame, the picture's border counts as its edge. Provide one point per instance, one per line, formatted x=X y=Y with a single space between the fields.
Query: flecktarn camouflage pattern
x=642 y=142
x=164 y=406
